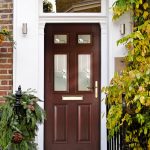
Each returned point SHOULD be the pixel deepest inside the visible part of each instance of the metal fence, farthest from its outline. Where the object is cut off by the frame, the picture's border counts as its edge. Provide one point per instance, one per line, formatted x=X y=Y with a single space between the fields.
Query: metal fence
x=117 y=142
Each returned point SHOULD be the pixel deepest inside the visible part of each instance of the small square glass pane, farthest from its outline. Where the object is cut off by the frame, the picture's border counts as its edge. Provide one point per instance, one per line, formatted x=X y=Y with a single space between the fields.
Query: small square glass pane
x=60 y=39
x=84 y=39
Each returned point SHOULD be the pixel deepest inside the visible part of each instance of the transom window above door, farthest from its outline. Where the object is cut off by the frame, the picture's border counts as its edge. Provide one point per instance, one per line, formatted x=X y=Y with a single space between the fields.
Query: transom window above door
x=71 y=6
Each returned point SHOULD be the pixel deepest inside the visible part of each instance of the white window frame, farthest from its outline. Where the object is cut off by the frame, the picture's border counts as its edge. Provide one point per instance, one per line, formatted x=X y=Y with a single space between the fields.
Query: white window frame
x=103 y=11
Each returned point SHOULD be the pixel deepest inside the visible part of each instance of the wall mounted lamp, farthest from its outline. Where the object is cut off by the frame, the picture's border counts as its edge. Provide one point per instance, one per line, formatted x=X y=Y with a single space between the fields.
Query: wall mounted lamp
x=24 y=28
x=122 y=29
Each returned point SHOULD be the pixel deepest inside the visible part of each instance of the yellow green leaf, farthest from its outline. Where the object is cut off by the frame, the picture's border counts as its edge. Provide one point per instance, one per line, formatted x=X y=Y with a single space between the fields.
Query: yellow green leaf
x=148 y=29
x=145 y=14
x=140 y=1
x=142 y=100
x=145 y=130
x=137 y=5
x=145 y=6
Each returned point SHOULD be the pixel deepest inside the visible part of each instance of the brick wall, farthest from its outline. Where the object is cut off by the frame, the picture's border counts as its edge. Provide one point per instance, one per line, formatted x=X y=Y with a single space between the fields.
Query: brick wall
x=6 y=51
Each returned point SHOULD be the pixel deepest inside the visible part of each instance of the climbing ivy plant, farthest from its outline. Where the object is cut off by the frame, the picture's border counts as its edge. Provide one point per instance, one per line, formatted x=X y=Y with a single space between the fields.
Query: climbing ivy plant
x=134 y=81
x=4 y=35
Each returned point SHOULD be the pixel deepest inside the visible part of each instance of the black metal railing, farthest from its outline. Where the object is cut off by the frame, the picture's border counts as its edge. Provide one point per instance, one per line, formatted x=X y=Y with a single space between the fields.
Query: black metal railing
x=117 y=142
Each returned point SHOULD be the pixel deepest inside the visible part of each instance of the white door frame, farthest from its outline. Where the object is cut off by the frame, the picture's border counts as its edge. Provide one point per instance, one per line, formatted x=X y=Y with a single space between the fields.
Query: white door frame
x=102 y=20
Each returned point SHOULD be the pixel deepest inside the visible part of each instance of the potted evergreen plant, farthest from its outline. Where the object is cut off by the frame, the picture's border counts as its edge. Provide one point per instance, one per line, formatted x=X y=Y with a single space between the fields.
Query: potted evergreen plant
x=21 y=115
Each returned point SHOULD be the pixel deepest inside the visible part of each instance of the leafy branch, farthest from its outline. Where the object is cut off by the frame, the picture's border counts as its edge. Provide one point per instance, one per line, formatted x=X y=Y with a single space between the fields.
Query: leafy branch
x=134 y=80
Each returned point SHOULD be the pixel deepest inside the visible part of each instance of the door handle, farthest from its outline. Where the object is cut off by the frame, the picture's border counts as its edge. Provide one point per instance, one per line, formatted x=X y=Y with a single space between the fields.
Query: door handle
x=96 y=89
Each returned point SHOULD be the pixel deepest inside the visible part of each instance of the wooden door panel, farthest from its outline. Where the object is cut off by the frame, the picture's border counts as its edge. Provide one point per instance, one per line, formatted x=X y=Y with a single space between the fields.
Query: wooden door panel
x=60 y=124
x=84 y=123
x=72 y=124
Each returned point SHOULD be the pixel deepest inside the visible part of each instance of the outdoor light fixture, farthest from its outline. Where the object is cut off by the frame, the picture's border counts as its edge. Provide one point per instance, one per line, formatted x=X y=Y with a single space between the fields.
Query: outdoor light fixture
x=24 y=28
x=122 y=29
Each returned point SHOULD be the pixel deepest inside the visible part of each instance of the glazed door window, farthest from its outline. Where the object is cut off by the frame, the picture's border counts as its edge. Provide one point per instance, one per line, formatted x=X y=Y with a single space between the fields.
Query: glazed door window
x=84 y=72
x=60 y=72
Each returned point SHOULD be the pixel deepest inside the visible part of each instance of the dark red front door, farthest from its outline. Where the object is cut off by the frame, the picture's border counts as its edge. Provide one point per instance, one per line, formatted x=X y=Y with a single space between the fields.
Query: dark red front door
x=72 y=87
